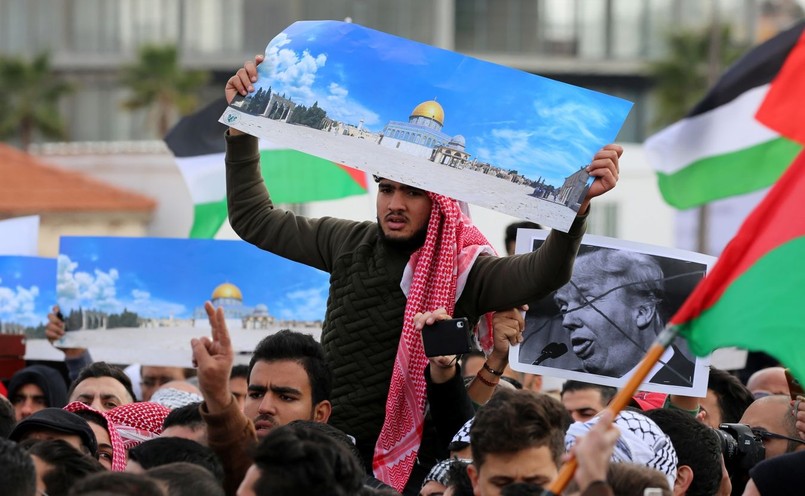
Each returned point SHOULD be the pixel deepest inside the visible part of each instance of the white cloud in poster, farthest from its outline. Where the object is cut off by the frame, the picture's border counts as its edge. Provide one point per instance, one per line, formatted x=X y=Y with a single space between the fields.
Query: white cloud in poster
x=89 y=290
x=292 y=73
x=18 y=305
x=98 y=290
x=143 y=304
x=304 y=304
x=295 y=75
x=343 y=109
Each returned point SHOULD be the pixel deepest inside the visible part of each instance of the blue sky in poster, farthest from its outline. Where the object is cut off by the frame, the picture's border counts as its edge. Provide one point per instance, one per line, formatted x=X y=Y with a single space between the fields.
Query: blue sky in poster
x=509 y=118
x=159 y=277
x=27 y=289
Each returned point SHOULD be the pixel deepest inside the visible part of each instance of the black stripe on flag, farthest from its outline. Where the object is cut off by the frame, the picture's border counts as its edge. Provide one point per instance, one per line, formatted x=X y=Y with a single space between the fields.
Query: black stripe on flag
x=757 y=67
x=199 y=133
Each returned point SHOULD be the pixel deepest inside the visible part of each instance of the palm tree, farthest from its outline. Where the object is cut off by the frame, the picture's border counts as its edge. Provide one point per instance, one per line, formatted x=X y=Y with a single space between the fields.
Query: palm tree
x=159 y=83
x=684 y=76
x=30 y=102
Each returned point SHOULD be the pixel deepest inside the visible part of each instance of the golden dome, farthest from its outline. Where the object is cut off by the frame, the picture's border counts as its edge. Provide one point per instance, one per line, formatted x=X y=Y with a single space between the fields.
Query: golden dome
x=430 y=109
x=227 y=290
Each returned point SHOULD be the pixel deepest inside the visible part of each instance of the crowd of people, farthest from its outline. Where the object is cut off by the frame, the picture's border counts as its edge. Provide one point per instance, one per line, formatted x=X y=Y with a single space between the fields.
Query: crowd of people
x=366 y=411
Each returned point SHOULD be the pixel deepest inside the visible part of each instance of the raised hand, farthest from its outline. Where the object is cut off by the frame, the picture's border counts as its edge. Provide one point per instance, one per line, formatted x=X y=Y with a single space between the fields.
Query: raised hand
x=604 y=168
x=214 y=358
x=55 y=329
x=508 y=330
x=242 y=82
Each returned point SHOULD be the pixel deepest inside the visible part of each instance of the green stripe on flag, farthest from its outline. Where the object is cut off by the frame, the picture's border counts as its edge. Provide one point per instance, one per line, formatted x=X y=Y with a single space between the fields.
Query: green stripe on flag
x=760 y=310
x=735 y=173
x=296 y=177
x=207 y=219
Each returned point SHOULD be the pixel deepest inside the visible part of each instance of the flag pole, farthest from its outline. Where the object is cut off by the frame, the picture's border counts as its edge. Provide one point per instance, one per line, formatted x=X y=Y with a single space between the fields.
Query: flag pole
x=619 y=402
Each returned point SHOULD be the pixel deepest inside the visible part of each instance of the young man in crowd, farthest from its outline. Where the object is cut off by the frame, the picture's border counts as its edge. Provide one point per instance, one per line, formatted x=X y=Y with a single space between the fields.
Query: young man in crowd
x=295 y=459
x=531 y=449
x=504 y=452
x=288 y=380
x=35 y=388
x=18 y=475
x=726 y=401
x=583 y=400
x=372 y=318
x=698 y=470
x=102 y=386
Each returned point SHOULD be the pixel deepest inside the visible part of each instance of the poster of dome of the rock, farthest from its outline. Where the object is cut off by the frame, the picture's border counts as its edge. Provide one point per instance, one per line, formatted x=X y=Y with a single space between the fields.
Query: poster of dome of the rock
x=434 y=119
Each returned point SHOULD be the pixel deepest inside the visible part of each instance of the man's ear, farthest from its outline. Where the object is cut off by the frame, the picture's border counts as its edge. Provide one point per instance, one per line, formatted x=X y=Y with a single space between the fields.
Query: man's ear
x=472 y=471
x=646 y=311
x=684 y=478
x=322 y=411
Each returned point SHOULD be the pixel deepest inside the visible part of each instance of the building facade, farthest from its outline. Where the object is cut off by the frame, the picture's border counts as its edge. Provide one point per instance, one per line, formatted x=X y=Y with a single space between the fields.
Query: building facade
x=603 y=45
x=598 y=44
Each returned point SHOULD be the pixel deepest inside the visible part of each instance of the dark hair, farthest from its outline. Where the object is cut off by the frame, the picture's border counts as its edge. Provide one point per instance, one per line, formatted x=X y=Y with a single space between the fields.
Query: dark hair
x=8 y=419
x=458 y=478
x=696 y=445
x=607 y=392
x=301 y=348
x=93 y=416
x=187 y=479
x=511 y=230
x=188 y=415
x=521 y=489
x=119 y=483
x=18 y=474
x=240 y=371
x=514 y=420
x=631 y=479
x=332 y=432
x=164 y=450
x=733 y=397
x=103 y=369
x=294 y=459
x=66 y=464
x=49 y=380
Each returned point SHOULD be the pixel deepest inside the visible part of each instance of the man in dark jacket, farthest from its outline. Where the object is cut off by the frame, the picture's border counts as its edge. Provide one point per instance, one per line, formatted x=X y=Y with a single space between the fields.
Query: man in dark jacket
x=35 y=388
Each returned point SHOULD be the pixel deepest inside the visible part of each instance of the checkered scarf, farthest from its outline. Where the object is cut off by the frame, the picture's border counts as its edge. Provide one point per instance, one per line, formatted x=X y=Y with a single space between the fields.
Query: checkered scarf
x=641 y=442
x=138 y=422
x=463 y=434
x=173 y=398
x=118 y=449
x=434 y=277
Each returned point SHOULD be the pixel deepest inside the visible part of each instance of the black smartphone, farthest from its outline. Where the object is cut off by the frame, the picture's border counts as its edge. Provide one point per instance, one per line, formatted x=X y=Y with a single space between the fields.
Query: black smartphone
x=60 y=316
x=447 y=337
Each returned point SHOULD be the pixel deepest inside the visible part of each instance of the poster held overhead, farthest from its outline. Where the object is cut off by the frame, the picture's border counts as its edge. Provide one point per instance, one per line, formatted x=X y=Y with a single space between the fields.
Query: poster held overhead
x=430 y=118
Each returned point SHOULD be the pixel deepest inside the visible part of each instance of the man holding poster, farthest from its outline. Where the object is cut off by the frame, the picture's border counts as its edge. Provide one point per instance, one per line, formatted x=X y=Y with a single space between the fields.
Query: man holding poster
x=422 y=253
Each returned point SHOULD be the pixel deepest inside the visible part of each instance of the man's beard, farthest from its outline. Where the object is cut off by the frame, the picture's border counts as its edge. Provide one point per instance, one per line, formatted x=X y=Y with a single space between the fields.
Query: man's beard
x=409 y=244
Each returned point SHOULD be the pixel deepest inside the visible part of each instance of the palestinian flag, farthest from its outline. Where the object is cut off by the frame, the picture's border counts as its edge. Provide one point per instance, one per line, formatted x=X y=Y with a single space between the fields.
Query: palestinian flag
x=724 y=147
x=751 y=298
x=197 y=142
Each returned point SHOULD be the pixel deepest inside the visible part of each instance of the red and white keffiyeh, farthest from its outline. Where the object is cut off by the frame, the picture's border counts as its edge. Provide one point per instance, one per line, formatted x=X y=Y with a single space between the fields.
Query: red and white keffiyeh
x=119 y=456
x=434 y=277
x=138 y=422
